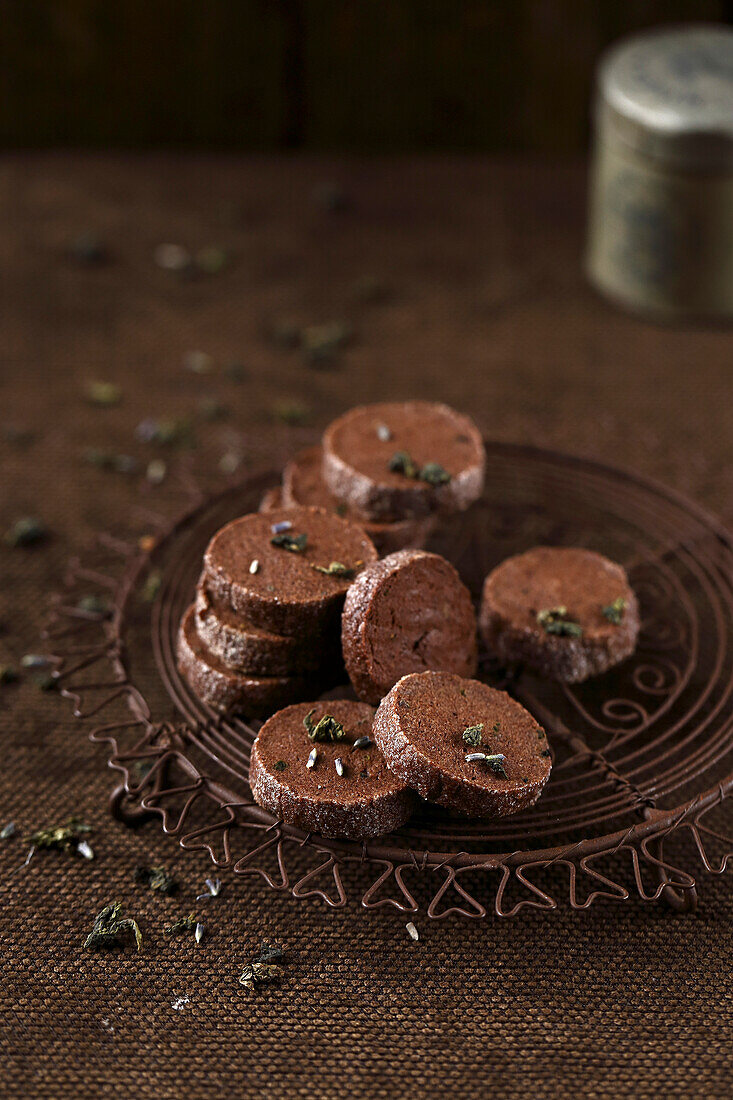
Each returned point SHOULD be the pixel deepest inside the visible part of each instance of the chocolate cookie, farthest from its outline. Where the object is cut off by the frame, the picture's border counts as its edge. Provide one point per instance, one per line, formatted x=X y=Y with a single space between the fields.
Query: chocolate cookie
x=224 y=689
x=394 y=460
x=338 y=788
x=286 y=571
x=303 y=484
x=463 y=744
x=568 y=613
x=241 y=646
x=407 y=613
x=272 y=499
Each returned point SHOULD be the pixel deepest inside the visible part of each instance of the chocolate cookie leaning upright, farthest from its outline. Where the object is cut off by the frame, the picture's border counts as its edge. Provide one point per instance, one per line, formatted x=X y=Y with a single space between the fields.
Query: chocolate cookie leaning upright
x=462 y=744
x=394 y=460
x=288 y=570
x=568 y=613
x=407 y=613
x=316 y=766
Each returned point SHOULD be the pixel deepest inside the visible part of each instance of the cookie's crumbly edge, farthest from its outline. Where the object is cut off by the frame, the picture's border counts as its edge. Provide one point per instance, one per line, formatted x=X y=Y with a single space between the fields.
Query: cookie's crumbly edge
x=568 y=660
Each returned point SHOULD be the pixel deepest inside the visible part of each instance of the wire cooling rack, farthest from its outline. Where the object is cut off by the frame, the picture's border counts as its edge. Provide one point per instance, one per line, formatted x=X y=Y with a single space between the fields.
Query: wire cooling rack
x=643 y=756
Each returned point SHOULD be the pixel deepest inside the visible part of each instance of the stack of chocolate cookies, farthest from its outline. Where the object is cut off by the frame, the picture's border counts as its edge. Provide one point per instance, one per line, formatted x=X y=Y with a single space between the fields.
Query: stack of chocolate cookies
x=265 y=627
x=394 y=468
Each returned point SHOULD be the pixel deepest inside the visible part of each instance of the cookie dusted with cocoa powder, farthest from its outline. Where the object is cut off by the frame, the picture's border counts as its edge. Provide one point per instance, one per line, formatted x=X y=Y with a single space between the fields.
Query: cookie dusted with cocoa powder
x=407 y=613
x=316 y=766
x=303 y=484
x=224 y=689
x=286 y=571
x=240 y=645
x=462 y=744
x=394 y=460
x=567 y=613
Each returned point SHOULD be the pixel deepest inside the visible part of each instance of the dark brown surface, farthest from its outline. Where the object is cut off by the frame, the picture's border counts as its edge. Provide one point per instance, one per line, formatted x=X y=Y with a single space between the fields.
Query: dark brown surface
x=489 y=312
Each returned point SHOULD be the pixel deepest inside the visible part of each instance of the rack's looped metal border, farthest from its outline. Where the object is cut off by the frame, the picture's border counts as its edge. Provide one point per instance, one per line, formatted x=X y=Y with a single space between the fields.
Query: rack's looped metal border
x=166 y=773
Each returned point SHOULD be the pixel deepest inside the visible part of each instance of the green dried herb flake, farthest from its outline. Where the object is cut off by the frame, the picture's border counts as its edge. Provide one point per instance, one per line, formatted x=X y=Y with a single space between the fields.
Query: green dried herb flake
x=280 y=765
x=151 y=588
x=326 y=729
x=64 y=838
x=157 y=878
x=472 y=734
x=335 y=569
x=103 y=394
x=614 y=612
x=492 y=760
x=27 y=531
x=296 y=544
x=434 y=474
x=263 y=969
x=555 y=620
x=183 y=924
x=8 y=674
x=293 y=413
x=109 y=928
x=401 y=463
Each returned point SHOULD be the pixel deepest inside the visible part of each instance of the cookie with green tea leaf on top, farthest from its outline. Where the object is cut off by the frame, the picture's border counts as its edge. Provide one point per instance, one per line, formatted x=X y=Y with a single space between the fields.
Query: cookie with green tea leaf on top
x=395 y=460
x=566 y=612
x=303 y=484
x=316 y=766
x=462 y=744
x=286 y=571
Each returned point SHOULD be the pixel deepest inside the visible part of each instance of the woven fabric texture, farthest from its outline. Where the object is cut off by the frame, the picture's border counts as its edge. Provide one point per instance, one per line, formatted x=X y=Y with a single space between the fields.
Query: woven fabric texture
x=461 y=281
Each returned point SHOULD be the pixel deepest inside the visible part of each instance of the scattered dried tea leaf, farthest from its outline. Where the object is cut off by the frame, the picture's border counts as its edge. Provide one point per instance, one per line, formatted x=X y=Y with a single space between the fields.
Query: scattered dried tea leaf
x=401 y=463
x=326 y=729
x=434 y=474
x=27 y=531
x=335 y=569
x=614 y=612
x=198 y=362
x=294 y=413
x=321 y=343
x=103 y=394
x=296 y=544
x=151 y=588
x=183 y=924
x=109 y=928
x=493 y=760
x=64 y=838
x=95 y=605
x=555 y=620
x=8 y=674
x=472 y=734
x=157 y=878
x=212 y=259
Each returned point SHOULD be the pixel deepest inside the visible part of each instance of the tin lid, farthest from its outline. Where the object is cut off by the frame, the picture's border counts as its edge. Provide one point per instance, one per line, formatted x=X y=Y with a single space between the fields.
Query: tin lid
x=669 y=94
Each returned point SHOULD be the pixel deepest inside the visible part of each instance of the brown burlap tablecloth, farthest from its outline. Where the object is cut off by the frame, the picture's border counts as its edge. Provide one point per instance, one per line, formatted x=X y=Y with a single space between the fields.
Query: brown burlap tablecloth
x=479 y=300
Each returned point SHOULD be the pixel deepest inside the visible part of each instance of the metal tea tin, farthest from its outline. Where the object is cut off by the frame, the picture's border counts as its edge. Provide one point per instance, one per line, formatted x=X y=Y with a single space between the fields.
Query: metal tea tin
x=660 y=235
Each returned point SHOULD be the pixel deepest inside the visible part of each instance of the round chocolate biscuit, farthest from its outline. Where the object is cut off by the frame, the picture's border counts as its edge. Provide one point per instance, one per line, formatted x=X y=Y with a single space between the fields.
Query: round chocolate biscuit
x=462 y=744
x=224 y=689
x=396 y=460
x=409 y=612
x=363 y=798
x=303 y=484
x=242 y=646
x=295 y=591
x=568 y=613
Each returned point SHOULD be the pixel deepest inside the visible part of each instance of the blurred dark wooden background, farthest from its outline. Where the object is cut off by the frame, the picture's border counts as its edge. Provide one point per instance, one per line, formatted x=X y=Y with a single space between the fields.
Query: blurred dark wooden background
x=367 y=75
